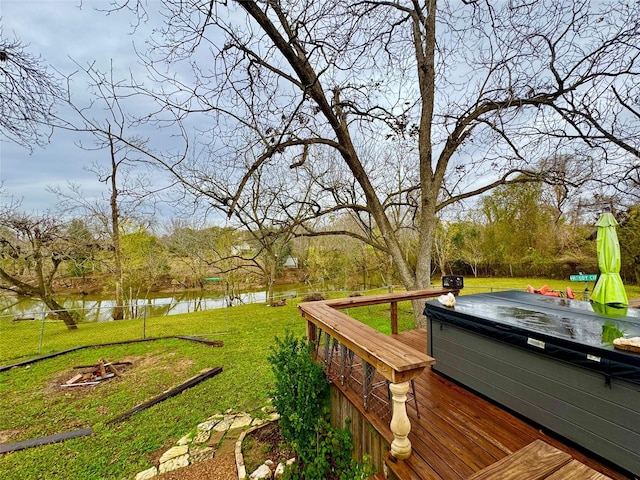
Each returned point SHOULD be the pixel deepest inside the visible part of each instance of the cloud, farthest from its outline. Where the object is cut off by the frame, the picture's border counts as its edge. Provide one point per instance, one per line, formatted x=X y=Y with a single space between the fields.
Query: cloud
x=63 y=32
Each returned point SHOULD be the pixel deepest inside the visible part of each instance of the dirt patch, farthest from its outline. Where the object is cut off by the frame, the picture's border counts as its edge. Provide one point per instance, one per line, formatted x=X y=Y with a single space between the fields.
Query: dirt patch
x=138 y=370
x=265 y=443
x=6 y=436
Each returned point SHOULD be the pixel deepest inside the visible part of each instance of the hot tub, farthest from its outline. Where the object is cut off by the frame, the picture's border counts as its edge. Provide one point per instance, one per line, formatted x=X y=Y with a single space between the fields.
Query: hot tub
x=549 y=359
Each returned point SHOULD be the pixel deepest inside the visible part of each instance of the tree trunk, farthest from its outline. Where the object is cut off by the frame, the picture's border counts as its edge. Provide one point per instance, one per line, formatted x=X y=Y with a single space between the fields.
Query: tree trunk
x=271 y=275
x=44 y=290
x=117 y=312
x=63 y=313
x=418 y=307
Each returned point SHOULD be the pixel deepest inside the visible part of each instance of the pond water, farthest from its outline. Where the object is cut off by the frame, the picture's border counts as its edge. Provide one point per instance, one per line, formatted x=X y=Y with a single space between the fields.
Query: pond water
x=93 y=308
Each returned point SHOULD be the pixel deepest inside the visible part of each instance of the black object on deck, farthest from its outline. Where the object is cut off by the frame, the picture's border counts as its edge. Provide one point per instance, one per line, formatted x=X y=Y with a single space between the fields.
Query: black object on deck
x=453 y=281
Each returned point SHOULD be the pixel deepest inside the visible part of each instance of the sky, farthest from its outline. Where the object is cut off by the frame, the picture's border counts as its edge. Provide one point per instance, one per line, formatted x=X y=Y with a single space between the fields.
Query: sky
x=61 y=32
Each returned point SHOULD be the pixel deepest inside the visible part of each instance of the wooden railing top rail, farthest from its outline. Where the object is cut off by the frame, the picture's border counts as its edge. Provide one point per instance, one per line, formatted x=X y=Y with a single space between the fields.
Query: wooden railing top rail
x=393 y=297
x=394 y=360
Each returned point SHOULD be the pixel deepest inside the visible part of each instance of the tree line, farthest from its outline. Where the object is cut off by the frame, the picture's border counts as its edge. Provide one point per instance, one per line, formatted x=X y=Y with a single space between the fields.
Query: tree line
x=513 y=231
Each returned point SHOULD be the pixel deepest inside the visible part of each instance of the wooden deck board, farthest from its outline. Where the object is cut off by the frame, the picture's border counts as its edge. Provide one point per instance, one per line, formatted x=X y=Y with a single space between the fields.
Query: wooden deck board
x=536 y=461
x=577 y=471
x=459 y=433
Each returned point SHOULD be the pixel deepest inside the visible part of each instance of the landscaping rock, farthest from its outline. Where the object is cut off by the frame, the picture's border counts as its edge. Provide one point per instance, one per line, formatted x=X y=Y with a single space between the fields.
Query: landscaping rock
x=174 y=464
x=263 y=472
x=240 y=421
x=224 y=424
x=272 y=417
x=202 y=436
x=209 y=424
x=281 y=466
x=198 y=454
x=174 y=452
x=147 y=474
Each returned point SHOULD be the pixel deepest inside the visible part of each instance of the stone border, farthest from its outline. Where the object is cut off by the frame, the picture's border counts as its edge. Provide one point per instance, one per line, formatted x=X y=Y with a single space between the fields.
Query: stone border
x=195 y=446
x=240 y=466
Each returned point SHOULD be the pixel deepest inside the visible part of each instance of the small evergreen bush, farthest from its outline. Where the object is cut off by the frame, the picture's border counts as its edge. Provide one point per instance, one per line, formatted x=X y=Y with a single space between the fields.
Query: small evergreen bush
x=301 y=391
x=301 y=397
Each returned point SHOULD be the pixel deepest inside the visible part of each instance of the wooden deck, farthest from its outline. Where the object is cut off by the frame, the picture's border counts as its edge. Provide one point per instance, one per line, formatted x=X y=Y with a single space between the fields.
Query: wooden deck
x=459 y=433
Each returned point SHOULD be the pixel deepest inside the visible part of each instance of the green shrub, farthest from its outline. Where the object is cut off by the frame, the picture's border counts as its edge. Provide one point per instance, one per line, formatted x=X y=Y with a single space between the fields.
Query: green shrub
x=332 y=459
x=301 y=397
x=301 y=391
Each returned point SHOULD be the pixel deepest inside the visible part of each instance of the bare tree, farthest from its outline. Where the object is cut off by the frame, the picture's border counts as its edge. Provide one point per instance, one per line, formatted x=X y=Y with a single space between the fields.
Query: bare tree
x=610 y=115
x=474 y=89
x=28 y=95
x=274 y=203
x=32 y=248
x=128 y=192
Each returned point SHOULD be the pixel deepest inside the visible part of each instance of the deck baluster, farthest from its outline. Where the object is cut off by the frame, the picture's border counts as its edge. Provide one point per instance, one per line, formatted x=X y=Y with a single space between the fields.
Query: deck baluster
x=327 y=342
x=314 y=335
x=400 y=424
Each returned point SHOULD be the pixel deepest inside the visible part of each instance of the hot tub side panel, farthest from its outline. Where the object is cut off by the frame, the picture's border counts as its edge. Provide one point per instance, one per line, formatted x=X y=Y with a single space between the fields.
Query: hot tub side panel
x=574 y=402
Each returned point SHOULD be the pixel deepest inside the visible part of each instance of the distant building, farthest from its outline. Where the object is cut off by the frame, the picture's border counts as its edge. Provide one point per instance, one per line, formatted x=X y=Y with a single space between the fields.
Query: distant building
x=291 y=262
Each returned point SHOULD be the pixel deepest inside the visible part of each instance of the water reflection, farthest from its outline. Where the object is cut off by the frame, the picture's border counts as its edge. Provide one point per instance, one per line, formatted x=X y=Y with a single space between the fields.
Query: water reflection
x=610 y=332
x=98 y=309
x=534 y=320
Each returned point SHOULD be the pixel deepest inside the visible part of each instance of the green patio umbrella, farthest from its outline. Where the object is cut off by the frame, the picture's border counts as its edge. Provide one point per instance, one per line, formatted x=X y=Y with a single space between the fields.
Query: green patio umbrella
x=609 y=289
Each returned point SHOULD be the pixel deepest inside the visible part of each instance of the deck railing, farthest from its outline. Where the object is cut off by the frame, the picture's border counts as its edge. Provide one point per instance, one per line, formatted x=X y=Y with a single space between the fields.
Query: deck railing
x=376 y=366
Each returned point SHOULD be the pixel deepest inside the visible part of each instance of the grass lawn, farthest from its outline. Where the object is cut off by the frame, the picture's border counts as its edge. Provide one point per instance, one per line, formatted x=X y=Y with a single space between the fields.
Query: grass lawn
x=33 y=404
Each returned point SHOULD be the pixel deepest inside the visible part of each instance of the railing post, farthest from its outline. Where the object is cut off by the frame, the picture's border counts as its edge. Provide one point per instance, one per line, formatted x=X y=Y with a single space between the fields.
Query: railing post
x=394 y=318
x=400 y=424
x=311 y=332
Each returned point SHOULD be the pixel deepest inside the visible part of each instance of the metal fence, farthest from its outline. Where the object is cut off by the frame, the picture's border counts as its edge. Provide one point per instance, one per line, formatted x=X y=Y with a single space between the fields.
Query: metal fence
x=40 y=332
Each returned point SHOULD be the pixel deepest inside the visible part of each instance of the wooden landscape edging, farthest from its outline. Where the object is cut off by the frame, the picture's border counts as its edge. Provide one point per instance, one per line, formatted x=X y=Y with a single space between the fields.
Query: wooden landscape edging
x=37 y=442
x=37 y=359
x=168 y=394
x=59 y=437
x=213 y=343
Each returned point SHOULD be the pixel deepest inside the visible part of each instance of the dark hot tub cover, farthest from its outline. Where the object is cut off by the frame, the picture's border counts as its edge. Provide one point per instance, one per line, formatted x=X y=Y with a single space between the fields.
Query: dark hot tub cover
x=568 y=330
